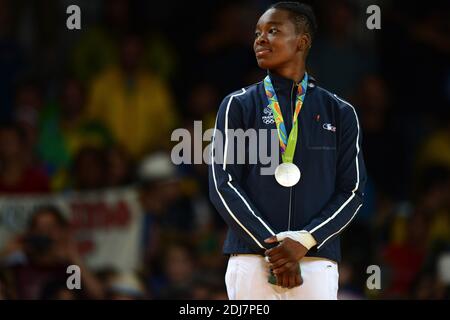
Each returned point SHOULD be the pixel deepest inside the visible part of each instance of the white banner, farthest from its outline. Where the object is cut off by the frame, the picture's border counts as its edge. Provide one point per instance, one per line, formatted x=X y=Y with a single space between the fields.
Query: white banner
x=107 y=225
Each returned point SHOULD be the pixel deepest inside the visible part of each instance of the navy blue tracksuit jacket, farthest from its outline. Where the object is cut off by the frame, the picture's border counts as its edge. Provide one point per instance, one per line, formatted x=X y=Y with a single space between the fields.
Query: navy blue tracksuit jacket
x=328 y=154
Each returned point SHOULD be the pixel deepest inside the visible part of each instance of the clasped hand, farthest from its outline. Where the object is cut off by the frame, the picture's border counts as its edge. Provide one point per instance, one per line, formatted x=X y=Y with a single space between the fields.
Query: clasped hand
x=284 y=261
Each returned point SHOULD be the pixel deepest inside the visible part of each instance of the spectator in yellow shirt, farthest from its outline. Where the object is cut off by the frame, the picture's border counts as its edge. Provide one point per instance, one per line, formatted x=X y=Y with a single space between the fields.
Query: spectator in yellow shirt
x=133 y=103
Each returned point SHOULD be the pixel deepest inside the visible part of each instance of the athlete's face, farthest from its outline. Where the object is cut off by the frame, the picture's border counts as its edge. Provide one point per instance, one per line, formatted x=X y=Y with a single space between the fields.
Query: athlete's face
x=277 y=44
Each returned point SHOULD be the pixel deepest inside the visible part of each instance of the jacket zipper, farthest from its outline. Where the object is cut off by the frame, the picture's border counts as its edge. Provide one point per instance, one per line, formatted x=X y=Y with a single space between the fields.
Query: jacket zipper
x=291 y=188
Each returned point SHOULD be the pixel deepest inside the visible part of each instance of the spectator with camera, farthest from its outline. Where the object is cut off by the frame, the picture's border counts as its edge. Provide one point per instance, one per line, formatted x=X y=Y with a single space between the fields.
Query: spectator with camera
x=41 y=256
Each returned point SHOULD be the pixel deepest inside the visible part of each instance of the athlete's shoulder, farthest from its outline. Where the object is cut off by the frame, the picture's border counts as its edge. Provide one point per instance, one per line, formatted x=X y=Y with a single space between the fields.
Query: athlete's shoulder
x=340 y=103
x=254 y=88
x=245 y=91
x=242 y=95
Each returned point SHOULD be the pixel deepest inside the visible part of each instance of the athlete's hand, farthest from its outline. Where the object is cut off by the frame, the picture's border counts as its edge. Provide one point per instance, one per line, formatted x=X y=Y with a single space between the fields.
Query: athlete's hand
x=286 y=256
x=290 y=279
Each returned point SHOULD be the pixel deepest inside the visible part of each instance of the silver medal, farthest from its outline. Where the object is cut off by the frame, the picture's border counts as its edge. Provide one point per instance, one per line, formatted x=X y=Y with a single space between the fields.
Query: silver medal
x=287 y=174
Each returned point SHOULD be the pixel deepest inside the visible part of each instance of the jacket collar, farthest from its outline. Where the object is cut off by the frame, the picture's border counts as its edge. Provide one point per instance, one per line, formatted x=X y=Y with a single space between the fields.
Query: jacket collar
x=281 y=83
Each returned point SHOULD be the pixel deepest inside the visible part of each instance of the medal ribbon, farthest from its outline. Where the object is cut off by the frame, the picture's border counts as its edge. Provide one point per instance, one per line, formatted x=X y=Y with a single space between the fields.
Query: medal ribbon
x=287 y=144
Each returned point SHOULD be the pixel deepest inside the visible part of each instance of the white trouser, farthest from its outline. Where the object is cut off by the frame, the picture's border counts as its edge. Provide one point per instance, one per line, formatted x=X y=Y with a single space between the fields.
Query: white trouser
x=247 y=275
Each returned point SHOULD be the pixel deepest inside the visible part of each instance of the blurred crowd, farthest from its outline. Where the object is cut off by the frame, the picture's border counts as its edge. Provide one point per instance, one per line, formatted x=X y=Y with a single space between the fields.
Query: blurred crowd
x=94 y=109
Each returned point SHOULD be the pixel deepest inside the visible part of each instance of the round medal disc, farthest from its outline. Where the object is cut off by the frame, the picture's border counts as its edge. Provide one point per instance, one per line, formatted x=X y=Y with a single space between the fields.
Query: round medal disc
x=287 y=174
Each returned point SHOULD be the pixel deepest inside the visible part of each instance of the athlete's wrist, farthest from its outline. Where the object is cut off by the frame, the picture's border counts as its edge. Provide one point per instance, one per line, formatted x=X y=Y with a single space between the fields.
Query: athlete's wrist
x=303 y=237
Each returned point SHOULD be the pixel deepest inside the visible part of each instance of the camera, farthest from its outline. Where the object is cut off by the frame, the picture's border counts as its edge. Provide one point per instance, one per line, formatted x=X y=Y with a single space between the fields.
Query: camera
x=38 y=243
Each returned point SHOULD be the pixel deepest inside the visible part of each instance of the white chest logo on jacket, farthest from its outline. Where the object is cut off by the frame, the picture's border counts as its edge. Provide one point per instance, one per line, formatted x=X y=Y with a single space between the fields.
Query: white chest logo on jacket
x=267 y=118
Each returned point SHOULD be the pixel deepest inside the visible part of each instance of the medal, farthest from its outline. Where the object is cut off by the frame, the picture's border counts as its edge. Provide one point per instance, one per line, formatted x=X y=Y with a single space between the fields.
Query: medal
x=287 y=174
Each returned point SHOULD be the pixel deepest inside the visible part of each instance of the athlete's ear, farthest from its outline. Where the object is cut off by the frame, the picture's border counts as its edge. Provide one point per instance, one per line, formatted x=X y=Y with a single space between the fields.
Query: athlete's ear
x=304 y=42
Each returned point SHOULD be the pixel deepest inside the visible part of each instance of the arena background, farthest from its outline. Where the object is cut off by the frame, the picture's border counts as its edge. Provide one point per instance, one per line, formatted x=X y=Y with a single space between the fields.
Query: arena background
x=86 y=121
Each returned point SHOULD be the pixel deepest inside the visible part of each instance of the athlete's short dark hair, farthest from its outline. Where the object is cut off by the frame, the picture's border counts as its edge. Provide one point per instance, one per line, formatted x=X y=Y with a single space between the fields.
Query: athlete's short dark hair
x=301 y=14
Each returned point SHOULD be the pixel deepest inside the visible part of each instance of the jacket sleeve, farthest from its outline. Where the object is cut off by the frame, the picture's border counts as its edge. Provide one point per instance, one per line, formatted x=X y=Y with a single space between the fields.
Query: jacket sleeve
x=225 y=176
x=350 y=180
